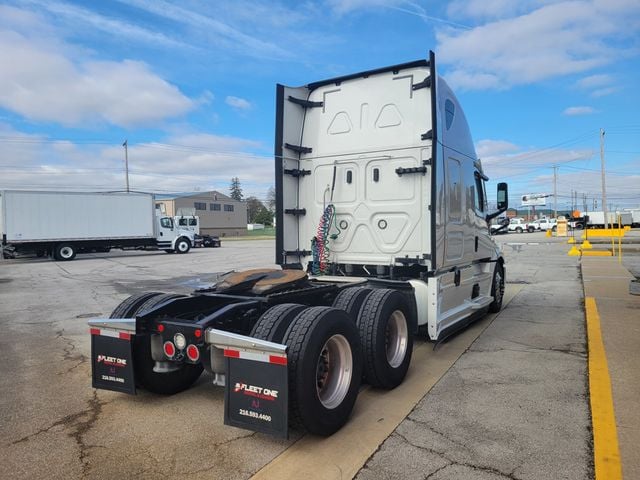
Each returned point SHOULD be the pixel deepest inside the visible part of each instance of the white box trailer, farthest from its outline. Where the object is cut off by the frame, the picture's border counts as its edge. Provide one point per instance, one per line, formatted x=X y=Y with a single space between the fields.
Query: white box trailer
x=596 y=219
x=382 y=234
x=65 y=223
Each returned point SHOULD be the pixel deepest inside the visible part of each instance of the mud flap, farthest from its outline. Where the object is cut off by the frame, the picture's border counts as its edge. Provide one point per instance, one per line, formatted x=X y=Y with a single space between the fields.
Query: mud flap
x=112 y=360
x=256 y=392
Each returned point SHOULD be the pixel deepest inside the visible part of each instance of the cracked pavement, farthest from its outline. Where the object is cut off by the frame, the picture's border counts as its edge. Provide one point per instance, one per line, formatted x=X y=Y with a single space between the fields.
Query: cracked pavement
x=54 y=425
x=515 y=405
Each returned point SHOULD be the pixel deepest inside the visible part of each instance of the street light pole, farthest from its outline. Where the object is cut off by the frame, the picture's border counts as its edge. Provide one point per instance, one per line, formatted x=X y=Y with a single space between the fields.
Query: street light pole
x=604 y=188
x=555 y=191
x=126 y=163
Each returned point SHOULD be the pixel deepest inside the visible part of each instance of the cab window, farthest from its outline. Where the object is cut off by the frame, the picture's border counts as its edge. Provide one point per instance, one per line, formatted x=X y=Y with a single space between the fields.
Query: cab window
x=166 y=222
x=479 y=194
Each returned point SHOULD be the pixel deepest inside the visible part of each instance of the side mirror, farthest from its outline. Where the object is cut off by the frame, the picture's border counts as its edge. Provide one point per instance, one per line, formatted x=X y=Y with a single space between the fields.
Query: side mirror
x=503 y=201
x=503 y=197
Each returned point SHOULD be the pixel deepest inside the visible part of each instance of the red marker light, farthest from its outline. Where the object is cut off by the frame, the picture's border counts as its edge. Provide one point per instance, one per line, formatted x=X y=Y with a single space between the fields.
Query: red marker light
x=198 y=333
x=193 y=353
x=169 y=349
x=160 y=328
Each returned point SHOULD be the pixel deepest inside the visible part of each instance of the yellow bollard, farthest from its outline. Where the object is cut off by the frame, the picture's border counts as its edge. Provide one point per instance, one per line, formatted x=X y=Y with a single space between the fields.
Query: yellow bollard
x=586 y=244
x=574 y=252
x=548 y=233
x=571 y=240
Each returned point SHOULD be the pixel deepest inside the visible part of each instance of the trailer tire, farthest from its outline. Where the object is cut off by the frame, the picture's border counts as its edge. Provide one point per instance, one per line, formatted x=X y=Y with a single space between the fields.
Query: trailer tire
x=386 y=325
x=325 y=369
x=183 y=245
x=350 y=300
x=64 y=252
x=497 y=289
x=273 y=324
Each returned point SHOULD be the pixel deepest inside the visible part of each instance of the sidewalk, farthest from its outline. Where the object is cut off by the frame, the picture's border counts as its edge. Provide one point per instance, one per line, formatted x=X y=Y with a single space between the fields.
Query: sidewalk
x=607 y=282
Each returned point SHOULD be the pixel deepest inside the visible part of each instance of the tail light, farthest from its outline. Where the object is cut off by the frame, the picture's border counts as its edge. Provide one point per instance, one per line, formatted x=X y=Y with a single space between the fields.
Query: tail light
x=193 y=353
x=169 y=349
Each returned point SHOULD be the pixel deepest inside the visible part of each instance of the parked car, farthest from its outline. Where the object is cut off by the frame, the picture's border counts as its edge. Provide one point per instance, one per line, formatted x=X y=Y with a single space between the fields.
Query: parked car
x=518 y=225
x=499 y=225
x=545 y=224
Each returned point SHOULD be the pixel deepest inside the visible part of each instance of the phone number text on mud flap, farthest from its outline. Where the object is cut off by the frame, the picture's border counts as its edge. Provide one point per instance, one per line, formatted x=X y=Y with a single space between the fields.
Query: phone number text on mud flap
x=252 y=414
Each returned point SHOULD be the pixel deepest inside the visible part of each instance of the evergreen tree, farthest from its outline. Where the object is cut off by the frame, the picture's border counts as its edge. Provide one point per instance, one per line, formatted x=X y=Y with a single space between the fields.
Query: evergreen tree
x=235 y=189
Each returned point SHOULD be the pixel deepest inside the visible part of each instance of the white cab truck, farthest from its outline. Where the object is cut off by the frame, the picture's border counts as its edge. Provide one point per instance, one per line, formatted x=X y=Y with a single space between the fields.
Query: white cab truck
x=382 y=236
x=62 y=224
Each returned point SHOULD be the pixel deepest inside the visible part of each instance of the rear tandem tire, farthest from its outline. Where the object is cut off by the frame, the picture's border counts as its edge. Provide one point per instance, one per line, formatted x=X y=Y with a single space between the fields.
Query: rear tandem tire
x=273 y=323
x=143 y=363
x=325 y=369
x=350 y=300
x=386 y=325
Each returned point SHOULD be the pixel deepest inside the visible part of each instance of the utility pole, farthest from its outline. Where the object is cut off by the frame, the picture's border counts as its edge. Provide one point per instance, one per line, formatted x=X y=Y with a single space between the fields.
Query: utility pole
x=555 y=191
x=126 y=162
x=604 y=188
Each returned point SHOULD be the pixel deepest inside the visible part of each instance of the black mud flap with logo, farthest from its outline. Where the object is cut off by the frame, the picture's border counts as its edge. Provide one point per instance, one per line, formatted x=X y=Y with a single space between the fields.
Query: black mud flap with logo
x=112 y=361
x=256 y=395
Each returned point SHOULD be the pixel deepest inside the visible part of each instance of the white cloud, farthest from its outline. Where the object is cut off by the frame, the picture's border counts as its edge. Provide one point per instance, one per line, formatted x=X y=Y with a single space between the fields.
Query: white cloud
x=575 y=111
x=238 y=103
x=346 y=6
x=602 y=92
x=182 y=162
x=489 y=148
x=490 y=9
x=83 y=18
x=40 y=82
x=551 y=40
x=594 y=81
x=502 y=160
x=213 y=27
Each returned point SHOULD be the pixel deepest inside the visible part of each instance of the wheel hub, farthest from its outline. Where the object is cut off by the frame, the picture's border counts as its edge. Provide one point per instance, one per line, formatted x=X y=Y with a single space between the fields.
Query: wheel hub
x=396 y=339
x=333 y=371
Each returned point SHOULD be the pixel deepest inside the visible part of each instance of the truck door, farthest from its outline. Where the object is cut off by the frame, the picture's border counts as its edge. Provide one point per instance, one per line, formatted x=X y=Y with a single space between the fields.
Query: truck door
x=165 y=229
x=454 y=229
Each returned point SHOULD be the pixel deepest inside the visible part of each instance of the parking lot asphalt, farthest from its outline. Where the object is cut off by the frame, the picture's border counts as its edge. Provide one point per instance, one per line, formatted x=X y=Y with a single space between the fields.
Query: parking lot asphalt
x=513 y=403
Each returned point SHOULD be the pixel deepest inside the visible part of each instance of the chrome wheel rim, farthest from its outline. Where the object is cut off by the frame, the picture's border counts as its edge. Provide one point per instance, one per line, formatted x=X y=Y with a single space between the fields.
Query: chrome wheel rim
x=66 y=252
x=182 y=246
x=333 y=371
x=397 y=339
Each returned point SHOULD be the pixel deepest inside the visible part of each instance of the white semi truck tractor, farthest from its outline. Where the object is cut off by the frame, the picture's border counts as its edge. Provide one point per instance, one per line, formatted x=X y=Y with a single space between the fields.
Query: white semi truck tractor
x=382 y=236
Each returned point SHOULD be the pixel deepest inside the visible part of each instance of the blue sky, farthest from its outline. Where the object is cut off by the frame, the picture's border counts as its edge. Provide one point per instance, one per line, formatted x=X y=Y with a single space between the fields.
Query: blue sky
x=191 y=86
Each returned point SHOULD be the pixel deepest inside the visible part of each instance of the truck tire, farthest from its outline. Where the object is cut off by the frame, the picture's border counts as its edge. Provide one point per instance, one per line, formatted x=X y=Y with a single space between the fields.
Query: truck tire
x=64 y=252
x=183 y=245
x=497 y=289
x=518 y=229
x=163 y=383
x=531 y=229
x=386 y=325
x=325 y=368
x=143 y=363
x=273 y=323
x=350 y=300
x=128 y=307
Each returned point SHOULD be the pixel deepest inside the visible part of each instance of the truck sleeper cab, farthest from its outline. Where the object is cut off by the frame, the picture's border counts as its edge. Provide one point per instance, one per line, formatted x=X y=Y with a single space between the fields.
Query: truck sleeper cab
x=382 y=233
